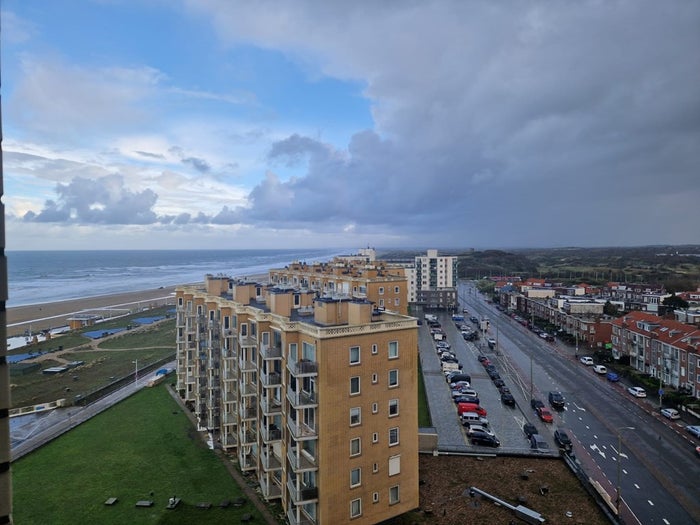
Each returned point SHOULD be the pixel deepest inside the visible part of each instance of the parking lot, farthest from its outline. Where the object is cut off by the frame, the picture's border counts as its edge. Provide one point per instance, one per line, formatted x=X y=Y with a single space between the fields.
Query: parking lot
x=505 y=421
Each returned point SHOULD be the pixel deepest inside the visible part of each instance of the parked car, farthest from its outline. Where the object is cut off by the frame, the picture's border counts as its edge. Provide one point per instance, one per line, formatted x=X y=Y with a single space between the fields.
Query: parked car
x=612 y=376
x=474 y=319
x=491 y=342
x=536 y=403
x=694 y=430
x=460 y=384
x=503 y=389
x=587 y=360
x=459 y=376
x=472 y=418
x=562 y=439
x=475 y=429
x=556 y=400
x=508 y=399
x=600 y=369
x=493 y=374
x=481 y=438
x=531 y=429
x=637 y=391
x=499 y=383
x=482 y=358
x=471 y=407
x=538 y=443
x=545 y=415
x=670 y=413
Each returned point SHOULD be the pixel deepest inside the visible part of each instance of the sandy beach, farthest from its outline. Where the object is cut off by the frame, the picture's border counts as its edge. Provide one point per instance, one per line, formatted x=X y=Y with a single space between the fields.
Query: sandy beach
x=52 y=315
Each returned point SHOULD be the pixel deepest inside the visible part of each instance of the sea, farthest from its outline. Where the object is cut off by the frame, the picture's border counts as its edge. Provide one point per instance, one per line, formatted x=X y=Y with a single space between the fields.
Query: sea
x=37 y=277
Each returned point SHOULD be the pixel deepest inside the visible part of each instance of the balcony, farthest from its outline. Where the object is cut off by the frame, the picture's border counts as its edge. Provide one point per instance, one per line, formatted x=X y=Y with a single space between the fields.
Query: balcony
x=302 y=399
x=301 y=430
x=229 y=439
x=246 y=366
x=303 y=368
x=270 y=488
x=248 y=389
x=301 y=462
x=270 y=461
x=302 y=494
x=247 y=462
x=304 y=518
x=248 y=412
x=271 y=434
x=247 y=341
x=270 y=406
x=270 y=352
x=248 y=437
x=271 y=379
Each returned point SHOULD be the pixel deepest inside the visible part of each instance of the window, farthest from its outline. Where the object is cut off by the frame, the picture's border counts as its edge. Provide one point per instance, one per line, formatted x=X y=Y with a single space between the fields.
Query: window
x=396 y=301
x=393 y=436
x=374 y=379
x=355 y=477
x=375 y=467
x=394 y=465
x=355 y=416
x=374 y=349
x=375 y=437
x=396 y=289
x=354 y=355
x=393 y=378
x=355 y=447
x=354 y=385
x=375 y=497
x=375 y=408
x=394 y=495
x=393 y=407
x=356 y=508
x=381 y=290
x=393 y=349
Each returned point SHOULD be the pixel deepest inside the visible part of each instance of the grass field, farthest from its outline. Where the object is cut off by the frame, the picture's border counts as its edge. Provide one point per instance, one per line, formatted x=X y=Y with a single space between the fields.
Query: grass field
x=144 y=444
x=423 y=409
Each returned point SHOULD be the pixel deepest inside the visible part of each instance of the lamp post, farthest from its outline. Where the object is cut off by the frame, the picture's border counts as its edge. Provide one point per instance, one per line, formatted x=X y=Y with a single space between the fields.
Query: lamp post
x=619 y=468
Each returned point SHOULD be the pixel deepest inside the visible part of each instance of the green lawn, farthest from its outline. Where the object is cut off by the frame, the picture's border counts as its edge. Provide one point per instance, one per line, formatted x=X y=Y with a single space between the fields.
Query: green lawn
x=423 y=409
x=144 y=444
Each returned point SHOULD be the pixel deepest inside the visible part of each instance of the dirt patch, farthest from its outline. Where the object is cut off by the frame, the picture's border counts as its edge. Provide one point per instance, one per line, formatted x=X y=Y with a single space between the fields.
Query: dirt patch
x=544 y=485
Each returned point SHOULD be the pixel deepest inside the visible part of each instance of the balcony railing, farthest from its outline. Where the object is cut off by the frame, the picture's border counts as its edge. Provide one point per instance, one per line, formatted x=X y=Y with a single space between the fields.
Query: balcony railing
x=303 y=494
x=300 y=462
x=269 y=487
x=301 y=399
x=246 y=366
x=248 y=389
x=270 y=405
x=270 y=352
x=301 y=430
x=247 y=341
x=248 y=437
x=302 y=520
x=271 y=379
x=270 y=461
x=247 y=462
x=271 y=434
x=248 y=412
x=303 y=367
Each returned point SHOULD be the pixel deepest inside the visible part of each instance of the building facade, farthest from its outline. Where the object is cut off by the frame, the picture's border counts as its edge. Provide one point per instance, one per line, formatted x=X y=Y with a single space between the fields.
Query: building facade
x=317 y=395
x=434 y=281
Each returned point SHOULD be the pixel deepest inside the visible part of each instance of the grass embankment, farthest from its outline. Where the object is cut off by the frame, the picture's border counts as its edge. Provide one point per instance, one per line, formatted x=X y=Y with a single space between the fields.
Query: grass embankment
x=144 y=444
x=106 y=361
x=423 y=408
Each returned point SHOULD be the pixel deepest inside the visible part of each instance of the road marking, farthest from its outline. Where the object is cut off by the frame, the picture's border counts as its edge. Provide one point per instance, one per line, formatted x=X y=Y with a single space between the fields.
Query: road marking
x=636 y=486
x=650 y=502
x=578 y=407
x=666 y=521
x=595 y=447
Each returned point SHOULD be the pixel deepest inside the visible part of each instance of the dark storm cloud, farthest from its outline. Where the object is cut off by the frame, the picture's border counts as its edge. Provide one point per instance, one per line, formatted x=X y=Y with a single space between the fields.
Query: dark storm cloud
x=496 y=123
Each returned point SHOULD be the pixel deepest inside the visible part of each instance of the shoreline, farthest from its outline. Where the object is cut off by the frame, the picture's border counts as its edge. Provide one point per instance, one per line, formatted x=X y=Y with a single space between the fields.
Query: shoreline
x=44 y=316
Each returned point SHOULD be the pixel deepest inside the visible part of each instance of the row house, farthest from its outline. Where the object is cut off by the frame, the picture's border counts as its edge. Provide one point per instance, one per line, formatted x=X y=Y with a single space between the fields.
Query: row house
x=662 y=348
x=313 y=395
x=641 y=297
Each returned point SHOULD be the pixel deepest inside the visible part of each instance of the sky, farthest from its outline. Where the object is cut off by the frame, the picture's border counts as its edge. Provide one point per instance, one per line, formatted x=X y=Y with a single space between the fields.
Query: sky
x=219 y=124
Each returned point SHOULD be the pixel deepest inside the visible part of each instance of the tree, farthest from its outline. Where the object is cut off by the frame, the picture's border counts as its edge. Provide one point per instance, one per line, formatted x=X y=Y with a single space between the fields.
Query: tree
x=675 y=302
x=610 y=309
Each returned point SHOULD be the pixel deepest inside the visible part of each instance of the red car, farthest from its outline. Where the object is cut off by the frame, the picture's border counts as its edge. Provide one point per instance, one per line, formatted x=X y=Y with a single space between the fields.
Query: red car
x=470 y=407
x=545 y=414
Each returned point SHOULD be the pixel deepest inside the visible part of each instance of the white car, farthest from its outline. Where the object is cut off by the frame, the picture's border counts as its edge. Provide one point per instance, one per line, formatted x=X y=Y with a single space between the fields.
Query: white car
x=600 y=369
x=637 y=391
x=670 y=413
x=586 y=360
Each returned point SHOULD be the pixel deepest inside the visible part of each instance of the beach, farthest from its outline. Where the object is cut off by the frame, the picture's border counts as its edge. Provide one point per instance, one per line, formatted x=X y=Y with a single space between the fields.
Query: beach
x=55 y=314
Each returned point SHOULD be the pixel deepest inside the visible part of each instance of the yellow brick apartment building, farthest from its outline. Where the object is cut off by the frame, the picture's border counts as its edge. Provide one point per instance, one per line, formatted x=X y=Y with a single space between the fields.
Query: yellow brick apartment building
x=316 y=393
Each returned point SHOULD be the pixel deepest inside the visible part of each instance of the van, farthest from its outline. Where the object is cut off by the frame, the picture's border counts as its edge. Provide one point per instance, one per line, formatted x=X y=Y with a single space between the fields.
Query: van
x=472 y=418
x=470 y=407
x=430 y=317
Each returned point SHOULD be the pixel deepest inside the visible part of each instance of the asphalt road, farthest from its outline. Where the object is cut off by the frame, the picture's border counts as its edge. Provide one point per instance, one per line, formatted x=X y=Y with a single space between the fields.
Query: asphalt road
x=655 y=466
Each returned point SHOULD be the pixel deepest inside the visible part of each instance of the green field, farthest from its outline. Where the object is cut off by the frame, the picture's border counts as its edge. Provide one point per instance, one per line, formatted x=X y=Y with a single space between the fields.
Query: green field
x=144 y=444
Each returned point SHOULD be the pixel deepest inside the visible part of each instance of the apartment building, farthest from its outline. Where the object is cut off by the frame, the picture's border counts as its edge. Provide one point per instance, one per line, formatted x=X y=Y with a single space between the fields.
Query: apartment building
x=314 y=393
x=359 y=276
x=434 y=281
x=662 y=348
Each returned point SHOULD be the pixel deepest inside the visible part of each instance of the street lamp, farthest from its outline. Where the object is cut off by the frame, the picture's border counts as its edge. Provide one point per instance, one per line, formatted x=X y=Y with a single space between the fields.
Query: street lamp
x=619 y=459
